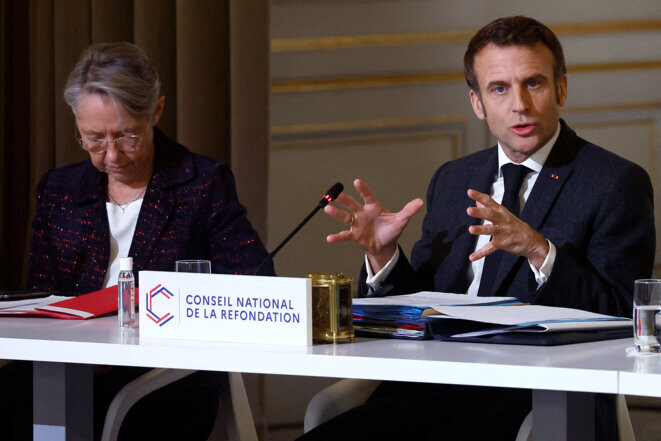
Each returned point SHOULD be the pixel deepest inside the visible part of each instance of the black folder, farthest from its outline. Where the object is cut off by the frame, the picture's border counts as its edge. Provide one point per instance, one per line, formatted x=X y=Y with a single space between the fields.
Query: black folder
x=444 y=331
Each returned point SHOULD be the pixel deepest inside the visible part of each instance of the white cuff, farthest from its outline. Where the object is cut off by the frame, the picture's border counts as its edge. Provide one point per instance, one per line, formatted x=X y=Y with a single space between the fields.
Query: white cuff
x=374 y=281
x=543 y=274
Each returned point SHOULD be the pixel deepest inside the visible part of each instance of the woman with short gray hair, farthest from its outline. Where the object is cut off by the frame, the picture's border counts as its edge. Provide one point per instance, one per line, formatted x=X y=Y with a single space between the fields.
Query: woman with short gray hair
x=120 y=71
x=143 y=195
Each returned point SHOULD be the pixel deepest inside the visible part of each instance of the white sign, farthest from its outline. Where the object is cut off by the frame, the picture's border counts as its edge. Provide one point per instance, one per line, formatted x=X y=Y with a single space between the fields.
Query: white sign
x=229 y=308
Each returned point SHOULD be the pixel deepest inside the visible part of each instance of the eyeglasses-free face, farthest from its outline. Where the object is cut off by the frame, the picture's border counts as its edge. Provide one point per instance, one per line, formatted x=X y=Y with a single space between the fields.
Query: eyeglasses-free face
x=520 y=99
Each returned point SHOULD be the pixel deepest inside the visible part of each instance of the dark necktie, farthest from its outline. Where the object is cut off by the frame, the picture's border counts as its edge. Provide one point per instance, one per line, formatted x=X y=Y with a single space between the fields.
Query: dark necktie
x=513 y=175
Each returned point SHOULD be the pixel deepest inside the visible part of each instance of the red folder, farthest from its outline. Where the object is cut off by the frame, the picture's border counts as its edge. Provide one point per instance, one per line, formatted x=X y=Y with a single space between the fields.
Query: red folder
x=83 y=307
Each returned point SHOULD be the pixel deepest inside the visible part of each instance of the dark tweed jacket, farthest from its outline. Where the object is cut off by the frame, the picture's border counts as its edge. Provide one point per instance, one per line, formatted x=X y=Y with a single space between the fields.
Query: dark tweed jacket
x=190 y=211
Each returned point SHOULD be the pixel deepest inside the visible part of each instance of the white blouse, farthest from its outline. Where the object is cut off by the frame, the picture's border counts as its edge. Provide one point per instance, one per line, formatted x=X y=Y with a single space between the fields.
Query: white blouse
x=122 y=226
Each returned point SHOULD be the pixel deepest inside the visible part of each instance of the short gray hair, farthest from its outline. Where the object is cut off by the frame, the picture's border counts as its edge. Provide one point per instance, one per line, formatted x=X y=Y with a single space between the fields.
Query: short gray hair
x=121 y=71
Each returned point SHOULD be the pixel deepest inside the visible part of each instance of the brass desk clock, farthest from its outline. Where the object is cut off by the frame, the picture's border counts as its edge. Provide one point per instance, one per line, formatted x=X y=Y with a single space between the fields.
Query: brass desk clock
x=332 y=317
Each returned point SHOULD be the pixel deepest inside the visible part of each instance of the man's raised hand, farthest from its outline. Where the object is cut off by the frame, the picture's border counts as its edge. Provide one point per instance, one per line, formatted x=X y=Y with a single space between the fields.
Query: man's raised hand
x=373 y=228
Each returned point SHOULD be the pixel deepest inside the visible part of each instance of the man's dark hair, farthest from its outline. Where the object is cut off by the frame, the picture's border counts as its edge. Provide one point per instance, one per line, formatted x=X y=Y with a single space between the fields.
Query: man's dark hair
x=517 y=31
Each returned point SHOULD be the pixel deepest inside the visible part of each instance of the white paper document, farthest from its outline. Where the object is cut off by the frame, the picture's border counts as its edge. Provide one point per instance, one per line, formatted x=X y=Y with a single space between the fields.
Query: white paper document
x=427 y=299
x=27 y=305
x=530 y=318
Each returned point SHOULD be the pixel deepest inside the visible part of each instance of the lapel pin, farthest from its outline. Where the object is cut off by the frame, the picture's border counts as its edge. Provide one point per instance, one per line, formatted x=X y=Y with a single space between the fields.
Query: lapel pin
x=554 y=176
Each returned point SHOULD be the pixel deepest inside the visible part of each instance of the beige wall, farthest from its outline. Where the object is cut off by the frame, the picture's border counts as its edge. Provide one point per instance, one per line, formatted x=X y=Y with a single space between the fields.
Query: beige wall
x=374 y=89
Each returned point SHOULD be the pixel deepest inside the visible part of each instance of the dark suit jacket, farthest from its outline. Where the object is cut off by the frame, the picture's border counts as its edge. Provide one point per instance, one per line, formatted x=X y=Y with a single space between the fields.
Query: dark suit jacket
x=595 y=207
x=190 y=211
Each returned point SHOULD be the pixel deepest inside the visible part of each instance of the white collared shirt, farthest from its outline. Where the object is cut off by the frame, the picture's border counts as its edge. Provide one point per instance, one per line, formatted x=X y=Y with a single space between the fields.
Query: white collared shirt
x=535 y=162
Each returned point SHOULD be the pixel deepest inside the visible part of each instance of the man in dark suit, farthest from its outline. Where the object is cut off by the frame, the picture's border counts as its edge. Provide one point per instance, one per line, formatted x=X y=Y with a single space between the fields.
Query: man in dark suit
x=586 y=228
x=584 y=234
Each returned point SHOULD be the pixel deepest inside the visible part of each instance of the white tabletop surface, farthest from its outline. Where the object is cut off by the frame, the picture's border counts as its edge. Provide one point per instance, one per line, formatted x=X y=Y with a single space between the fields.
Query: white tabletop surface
x=587 y=367
x=642 y=376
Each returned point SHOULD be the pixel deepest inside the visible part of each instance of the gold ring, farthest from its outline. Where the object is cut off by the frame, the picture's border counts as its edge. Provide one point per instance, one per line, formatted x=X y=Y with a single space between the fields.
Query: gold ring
x=352 y=221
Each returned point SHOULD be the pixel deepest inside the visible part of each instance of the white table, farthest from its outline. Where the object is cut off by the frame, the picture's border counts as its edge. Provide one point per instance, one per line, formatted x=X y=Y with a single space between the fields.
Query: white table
x=563 y=378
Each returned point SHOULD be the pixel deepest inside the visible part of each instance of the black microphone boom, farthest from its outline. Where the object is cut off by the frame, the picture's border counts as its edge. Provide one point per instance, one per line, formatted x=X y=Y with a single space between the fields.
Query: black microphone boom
x=330 y=196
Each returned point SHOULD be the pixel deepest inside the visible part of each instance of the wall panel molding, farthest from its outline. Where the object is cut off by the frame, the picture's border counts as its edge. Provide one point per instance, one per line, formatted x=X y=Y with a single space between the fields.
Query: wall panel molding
x=370 y=81
x=358 y=141
x=343 y=126
x=413 y=38
x=612 y=108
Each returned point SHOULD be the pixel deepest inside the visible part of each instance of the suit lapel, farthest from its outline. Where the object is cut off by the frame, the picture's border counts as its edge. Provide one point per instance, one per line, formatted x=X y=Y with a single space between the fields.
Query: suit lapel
x=550 y=182
x=481 y=179
x=547 y=187
x=557 y=169
x=154 y=214
x=173 y=166
x=93 y=229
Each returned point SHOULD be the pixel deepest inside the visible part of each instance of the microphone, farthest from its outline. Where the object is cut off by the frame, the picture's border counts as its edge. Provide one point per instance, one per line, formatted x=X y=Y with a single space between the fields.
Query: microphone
x=330 y=196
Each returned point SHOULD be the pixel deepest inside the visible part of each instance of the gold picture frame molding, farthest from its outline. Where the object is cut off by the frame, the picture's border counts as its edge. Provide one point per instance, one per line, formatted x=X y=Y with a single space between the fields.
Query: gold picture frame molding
x=373 y=81
x=280 y=45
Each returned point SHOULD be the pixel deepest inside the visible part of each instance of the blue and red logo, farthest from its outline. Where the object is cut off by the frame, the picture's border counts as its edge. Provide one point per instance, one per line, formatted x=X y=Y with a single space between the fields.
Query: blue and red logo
x=159 y=297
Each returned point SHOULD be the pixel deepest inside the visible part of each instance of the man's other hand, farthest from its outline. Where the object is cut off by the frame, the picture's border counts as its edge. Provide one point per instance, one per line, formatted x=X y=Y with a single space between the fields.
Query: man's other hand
x=508 y=232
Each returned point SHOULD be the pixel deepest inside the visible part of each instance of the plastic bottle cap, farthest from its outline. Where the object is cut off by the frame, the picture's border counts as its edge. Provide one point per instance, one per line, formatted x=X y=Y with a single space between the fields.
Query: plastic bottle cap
x=126 y=264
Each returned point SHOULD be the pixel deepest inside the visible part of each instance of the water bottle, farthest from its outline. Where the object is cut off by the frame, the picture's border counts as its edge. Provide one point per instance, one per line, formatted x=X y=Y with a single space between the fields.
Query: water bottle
x=126 y=293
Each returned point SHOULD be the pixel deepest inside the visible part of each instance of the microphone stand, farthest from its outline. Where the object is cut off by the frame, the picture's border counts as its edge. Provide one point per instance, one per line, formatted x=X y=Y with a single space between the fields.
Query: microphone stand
x=284 y=242
x=330 y=195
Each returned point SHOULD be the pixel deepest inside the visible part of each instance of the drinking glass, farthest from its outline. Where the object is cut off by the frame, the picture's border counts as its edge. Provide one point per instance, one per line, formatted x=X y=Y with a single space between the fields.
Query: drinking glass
x=193 y=266
x=646 y=305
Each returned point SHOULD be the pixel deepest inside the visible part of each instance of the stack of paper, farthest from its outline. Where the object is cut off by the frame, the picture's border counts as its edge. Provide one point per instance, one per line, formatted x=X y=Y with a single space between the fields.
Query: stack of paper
x=458 y=317
x=407 y=316
x=529 y=318
x=83 y=307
